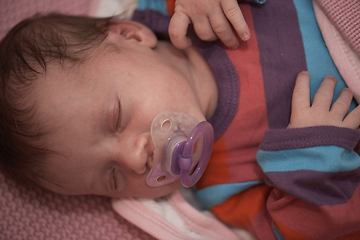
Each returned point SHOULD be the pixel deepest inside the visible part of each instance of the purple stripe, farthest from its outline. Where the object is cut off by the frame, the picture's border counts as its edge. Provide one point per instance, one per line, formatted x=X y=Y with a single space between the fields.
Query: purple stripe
x=228 y=88
x=153 y=20
x=282 y=56
x=282 y=139
x=317 y=188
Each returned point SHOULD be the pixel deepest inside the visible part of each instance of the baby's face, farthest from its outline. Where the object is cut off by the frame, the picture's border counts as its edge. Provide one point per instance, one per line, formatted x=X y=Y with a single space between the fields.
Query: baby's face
x=100 y=114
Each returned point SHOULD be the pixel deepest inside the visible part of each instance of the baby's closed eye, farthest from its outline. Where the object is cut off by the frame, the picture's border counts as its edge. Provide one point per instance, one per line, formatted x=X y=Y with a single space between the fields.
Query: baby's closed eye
x=114 y=178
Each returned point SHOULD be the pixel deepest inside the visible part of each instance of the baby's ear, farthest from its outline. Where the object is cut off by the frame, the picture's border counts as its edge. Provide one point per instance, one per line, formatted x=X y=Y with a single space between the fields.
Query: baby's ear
x=131 y=30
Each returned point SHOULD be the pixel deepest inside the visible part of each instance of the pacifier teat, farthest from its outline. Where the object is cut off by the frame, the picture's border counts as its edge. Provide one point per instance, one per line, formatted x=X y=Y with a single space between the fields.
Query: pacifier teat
x=182 y=148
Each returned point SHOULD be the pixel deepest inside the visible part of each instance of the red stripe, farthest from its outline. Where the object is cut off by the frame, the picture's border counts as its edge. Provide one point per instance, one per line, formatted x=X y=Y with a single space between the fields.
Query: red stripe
x=244 y=135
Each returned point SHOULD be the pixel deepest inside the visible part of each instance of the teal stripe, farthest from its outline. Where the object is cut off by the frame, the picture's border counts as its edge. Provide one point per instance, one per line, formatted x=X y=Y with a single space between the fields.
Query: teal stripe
x=319 y=61
x=320 y=158
x=157 y=5
x=217 y=194
x=276 y=232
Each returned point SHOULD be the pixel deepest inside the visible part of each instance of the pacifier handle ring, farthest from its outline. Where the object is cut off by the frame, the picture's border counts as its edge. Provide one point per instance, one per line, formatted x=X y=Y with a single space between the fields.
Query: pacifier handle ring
x=204 y=128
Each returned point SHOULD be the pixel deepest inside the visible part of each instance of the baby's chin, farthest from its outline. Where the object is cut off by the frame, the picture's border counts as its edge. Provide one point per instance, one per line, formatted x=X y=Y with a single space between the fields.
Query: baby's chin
x=150 y=192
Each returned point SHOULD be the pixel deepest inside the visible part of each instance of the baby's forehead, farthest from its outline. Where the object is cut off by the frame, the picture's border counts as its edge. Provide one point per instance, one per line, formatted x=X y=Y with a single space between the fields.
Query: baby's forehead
x=51 y=90
x=64 y=82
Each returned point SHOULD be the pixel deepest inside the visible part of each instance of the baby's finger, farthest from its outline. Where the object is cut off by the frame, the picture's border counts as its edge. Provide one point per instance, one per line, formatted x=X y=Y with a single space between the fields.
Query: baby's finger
x=324 y=94
x=352 y=120
x=178 y=29
x=203 y=28
x=301 y=94
x=342 y=104
x=236 y=18
x=222 y=28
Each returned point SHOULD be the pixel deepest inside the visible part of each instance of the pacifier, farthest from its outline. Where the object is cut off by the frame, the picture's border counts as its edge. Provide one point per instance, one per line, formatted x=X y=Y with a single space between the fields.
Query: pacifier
x=182 y=148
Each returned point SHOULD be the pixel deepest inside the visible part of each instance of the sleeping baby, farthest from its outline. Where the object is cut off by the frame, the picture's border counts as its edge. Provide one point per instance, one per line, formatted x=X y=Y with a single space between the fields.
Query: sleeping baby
x=202 y=98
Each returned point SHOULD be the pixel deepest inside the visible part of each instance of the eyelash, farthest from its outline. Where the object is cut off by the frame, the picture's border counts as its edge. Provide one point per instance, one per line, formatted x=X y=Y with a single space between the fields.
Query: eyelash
x=114 y=179
x=119 y=116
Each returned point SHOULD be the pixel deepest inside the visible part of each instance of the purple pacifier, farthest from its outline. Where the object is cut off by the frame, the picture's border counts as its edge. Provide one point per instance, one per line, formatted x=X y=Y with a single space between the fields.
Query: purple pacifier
x=182 y=148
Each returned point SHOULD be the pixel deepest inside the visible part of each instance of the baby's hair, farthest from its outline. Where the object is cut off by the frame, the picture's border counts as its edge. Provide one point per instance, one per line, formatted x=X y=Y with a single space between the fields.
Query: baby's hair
x=25 y=54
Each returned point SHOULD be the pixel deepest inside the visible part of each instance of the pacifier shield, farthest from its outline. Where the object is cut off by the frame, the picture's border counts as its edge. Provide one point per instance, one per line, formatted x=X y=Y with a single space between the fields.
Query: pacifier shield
x=171 y=133
x=167 y=125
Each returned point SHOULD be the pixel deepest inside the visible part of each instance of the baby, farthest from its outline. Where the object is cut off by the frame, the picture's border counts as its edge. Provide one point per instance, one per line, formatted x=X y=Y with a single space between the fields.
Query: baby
x=78 y=96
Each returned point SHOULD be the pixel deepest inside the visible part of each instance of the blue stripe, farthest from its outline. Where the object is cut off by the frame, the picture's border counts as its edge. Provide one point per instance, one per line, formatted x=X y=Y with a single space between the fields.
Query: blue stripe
x=320 y=158
x=319 y=61
x=157 y=5
x=257 y=1
x=217 y=194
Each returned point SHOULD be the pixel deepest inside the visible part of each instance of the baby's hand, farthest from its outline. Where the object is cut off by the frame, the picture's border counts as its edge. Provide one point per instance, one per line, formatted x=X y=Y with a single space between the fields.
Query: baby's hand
x=211 y=20
x=319 y=113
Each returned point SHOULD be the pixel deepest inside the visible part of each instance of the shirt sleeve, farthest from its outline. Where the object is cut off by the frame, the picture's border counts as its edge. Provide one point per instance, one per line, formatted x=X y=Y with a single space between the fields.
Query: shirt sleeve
x=314 y=175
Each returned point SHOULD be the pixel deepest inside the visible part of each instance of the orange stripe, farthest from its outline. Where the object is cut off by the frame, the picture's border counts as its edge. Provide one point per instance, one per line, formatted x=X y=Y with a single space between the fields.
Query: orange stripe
x=239 y=209
x=216 y=172
x=170 y=4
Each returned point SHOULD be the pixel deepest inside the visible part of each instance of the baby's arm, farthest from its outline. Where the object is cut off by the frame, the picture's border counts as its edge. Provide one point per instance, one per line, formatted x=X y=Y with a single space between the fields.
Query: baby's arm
x=320 y=113
x=211 y=20
x=311 y=167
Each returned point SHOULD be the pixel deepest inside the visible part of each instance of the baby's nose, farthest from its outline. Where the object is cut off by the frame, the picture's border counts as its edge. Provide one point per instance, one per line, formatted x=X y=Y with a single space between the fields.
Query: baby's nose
x=138 y=154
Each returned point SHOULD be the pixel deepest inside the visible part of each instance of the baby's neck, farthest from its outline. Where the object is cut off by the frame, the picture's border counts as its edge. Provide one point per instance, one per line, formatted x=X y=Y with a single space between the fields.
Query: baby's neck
x=193 y=66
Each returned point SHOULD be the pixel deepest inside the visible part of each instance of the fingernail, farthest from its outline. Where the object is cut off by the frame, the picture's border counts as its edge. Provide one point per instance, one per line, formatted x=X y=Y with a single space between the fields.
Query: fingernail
x=305 y=73
x=331 y=77
x=245 y=36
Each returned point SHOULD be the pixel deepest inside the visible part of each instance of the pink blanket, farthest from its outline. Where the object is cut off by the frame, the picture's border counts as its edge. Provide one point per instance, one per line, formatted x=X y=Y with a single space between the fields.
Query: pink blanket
x=38 y=214
x=345 y=16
